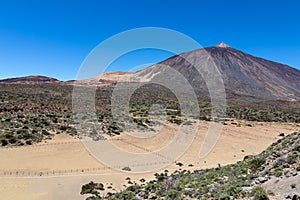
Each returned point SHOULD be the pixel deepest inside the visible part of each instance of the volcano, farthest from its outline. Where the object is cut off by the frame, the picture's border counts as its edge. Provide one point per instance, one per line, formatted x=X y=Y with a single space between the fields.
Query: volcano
x=243 y=75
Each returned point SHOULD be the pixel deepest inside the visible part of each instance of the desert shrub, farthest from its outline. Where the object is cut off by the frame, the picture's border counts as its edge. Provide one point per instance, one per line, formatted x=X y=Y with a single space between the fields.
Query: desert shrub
x=297 y=148
x=291 y=159
x=90 y=188
x=99 y=186
x=278 y=172
x=4 y=142
x=179 y=164
x=12 y=140
x=256 y=163
x=29 y=142
x=127 y=195
x=44 y=132
x=27 y=136
x=63 y=128
x=142 y=180
x=94 y=198
x=224 y=197
x=19 y=143
x=134 y=188
x=259 y=193
x=175 y=121
x=8 y=135
x=160 y=177
x=281 y=161
x=233 y=190
x=126 y=169
x=172 y=193
x=275 y=165
x=54 y=120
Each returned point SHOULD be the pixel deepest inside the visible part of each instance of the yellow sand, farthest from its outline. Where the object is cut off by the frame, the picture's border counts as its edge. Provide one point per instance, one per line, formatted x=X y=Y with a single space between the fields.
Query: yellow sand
x=57 y=169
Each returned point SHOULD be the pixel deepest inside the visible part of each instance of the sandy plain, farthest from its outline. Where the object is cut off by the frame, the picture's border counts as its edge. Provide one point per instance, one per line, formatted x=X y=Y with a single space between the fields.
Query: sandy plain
x=58 y=168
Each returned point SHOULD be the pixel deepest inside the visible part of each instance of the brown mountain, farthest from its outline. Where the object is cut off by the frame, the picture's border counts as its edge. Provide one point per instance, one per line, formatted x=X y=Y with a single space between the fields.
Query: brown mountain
x=244 y=75
x=31 y=79
x=107 y=78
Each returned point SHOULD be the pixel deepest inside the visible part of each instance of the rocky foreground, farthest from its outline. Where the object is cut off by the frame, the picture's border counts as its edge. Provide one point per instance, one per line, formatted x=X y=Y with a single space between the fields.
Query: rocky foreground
x=273 y=174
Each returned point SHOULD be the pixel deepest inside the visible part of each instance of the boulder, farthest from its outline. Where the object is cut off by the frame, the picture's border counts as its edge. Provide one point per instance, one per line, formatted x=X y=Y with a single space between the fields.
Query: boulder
x=295 y=197
x=152 y=196
x=261 y=180
x=286 y=196
x=287 y=172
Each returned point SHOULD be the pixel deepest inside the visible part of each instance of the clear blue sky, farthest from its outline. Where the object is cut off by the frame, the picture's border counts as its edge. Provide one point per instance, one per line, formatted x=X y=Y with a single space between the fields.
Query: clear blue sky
x=52 y=38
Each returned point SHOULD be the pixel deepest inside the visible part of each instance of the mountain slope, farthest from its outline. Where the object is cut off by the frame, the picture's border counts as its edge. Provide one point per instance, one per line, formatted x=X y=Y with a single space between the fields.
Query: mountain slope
x=243 y=74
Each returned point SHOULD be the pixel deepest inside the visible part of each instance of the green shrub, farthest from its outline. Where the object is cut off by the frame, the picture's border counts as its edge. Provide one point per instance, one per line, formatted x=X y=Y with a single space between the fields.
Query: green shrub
x=278 y=173
x=256 y=163
x=172 y=193
x=259 y=193
x=127 y=195
x=12 y=140
x=297 y=148
x=291 y=159
x=94 y=198
x=4 y=142
x=224 y=197
x=90 y=188
x=29 y=142
x=44 y=132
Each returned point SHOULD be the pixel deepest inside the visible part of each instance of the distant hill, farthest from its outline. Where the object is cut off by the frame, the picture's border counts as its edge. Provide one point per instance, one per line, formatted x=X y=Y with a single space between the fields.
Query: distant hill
x=107 y=78
x=32 y=79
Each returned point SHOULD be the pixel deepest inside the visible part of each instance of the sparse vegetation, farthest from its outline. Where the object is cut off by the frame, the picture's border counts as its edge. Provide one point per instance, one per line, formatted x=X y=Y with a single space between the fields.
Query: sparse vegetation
x=259 y=193
x=126 y=169
x=225 y=182
x=293 y=186
x=31 y=113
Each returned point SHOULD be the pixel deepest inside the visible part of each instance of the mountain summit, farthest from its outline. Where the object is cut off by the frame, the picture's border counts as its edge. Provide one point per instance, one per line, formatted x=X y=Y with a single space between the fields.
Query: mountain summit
x=223 y=45
x=243 y=74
